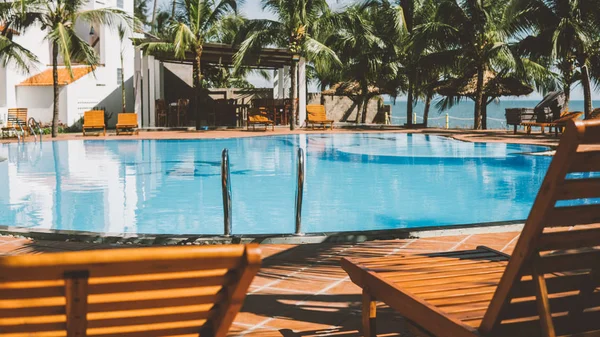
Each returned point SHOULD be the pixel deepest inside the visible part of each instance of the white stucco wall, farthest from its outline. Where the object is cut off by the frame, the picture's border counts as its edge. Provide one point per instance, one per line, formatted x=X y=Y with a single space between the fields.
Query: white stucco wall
x=39 y=102
x=102 y=88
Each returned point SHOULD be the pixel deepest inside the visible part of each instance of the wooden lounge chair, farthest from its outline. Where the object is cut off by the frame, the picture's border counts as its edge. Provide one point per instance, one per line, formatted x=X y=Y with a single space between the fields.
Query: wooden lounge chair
x=16 y=119
x=316 y=115
x=127 y=121
x=94 y=119
x=548 y=287
x=256 y=116
x=557 y=123
x=135 y=292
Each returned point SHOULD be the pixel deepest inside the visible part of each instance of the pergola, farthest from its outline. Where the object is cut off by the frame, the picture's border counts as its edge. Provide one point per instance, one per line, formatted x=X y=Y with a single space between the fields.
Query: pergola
x=149 y=80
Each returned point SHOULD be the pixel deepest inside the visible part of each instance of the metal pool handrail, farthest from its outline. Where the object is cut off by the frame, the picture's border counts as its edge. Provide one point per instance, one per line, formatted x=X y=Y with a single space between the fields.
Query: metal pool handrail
x=226 y=187
x=299 y=191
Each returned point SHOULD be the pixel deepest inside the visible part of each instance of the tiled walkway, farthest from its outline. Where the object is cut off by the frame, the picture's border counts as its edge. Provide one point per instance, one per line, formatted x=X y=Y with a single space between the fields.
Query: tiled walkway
x=465 y=135
x=301 y=290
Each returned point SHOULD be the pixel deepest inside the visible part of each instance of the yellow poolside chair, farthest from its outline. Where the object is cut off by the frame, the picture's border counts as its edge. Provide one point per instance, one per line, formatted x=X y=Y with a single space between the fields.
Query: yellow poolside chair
x=257 y=116
x=16 y=119
x=94 y=119
x=548 y=287
x=159 y=291
x=127 y=121
x=316 y=115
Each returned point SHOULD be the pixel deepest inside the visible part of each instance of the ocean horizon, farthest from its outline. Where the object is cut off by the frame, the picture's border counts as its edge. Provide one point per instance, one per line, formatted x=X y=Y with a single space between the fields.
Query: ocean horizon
x=461 y=115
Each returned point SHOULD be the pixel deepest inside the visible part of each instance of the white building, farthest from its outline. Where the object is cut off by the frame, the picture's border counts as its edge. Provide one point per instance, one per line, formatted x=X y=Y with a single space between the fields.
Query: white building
x=86 y=90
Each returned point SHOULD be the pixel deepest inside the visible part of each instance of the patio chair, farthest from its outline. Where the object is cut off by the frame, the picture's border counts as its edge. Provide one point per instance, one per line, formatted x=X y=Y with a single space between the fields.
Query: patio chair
x=258 y=116
x=160 y=108
x=16 y=121
x=166 y=291
x=558 y=123
x=316 y=115
x=127 y=121
x=94 y=119
x=548 y=287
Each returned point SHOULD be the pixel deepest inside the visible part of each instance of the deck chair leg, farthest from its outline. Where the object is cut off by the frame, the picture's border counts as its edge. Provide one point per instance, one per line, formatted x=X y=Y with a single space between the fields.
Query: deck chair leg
x=369 y=315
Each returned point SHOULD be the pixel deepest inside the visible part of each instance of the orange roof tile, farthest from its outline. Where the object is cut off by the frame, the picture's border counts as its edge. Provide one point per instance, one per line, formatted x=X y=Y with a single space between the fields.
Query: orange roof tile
x=64 y=78
x=2 y=27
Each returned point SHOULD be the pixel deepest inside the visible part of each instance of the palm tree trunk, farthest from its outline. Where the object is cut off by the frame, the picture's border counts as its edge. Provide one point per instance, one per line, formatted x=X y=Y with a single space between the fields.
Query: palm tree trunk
x=293 y=71
x=365 y=109
x=409 y=101
x=478 y=100
x=173 y=9
x=359 y=109
x=153 y=22
x=484 y=113
x=587 y=91
x=198 y=84
x=123 y=98
x=426 y=110
x=56 y=89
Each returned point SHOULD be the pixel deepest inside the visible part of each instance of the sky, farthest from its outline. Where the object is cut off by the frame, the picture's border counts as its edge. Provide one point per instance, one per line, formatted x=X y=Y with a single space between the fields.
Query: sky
x=252 y=9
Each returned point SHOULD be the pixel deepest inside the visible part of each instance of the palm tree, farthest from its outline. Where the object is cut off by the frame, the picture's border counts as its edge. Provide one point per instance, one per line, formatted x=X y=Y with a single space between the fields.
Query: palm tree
x=366 y=44
x=297 y=24
x=13 y=23
x=563 y=31
x=195 y=24
x=470 y=39
x=140 y=10
x=58 y=19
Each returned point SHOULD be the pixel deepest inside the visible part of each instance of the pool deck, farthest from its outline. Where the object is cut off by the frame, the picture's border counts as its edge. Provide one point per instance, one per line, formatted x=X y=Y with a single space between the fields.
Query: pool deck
x=504 y=136
x=301 y=289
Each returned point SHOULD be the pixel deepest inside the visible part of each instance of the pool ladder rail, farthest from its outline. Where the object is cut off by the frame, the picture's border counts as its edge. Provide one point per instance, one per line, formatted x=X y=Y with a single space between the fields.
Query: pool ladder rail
x=33 y=125
x=226 y=190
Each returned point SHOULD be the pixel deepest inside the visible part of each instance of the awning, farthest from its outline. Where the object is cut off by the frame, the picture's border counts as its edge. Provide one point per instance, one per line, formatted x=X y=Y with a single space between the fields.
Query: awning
x=64 y=77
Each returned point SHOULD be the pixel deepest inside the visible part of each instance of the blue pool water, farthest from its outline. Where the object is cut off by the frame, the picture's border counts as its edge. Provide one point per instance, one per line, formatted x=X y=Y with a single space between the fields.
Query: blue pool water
x=353 y=182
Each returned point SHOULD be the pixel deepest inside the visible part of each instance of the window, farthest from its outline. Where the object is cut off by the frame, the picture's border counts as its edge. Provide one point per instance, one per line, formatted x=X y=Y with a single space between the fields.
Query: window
x=120 y=4
x=119 y=73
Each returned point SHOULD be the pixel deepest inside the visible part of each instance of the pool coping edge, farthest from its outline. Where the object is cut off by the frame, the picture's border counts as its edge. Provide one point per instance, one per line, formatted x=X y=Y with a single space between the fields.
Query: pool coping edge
x=292 y=239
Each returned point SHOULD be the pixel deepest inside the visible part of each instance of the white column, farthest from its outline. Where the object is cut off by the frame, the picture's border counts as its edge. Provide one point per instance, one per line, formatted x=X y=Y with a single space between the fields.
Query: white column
x=137 y=83
x=285 y=88
x=151 y=90
x=145 y=92
x=302 y=91
x=281 y=83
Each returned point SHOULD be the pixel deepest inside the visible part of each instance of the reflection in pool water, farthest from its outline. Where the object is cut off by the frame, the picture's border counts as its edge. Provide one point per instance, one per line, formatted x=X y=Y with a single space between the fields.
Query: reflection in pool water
x=353 y=182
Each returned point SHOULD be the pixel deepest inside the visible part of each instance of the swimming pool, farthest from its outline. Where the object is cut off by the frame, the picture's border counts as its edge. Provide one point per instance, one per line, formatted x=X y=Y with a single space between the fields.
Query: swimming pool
x=353 y=182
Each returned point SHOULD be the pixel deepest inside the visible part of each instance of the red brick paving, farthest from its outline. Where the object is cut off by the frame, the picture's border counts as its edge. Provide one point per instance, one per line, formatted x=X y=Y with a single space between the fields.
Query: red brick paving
x=301 y=290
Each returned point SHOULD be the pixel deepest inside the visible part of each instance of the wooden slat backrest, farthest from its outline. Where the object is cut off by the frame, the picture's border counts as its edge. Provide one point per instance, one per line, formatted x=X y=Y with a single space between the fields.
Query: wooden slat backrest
x=93 y=118
x=127 y=119
x=557 y=252
x=316 y=112
x=126 y=292
x=15 y=114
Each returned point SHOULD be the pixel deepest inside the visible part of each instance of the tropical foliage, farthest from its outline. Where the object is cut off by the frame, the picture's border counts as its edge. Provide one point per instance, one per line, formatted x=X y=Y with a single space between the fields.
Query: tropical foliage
x=395 y=47
x=298 y=23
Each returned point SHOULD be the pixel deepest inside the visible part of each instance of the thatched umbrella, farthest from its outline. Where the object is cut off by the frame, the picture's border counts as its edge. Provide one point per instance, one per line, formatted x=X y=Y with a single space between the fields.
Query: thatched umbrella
x=349 y=89
x=494 y=86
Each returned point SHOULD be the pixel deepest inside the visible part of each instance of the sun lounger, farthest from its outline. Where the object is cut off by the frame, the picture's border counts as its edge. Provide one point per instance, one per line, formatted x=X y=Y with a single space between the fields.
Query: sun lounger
x=316 y=115
x=166 y=291
x=557 y=123
x=94 y=119
x=16 y=120
x=548 y=287
x=127 y=121
x=256 y=116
